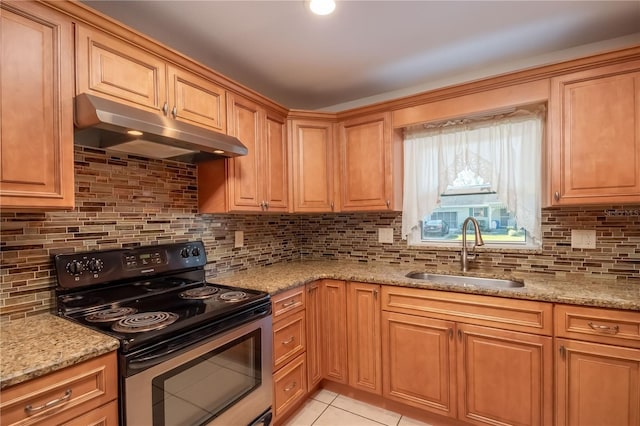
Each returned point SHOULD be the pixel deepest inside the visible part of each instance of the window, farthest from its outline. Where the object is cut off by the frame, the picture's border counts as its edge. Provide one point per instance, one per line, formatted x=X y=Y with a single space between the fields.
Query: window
x=487 y=169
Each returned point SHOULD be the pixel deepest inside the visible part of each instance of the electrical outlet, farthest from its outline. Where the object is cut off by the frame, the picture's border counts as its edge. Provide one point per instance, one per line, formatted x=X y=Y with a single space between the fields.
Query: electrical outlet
x=385 y=235
x=239 y=239
x=583 y=238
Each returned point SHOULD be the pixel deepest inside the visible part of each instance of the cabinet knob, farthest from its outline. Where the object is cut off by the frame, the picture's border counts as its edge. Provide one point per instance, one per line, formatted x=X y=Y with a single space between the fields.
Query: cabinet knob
x=388 y=203
x=332 y=206
x=174 y=111
x=165 y=108
x=556 y=196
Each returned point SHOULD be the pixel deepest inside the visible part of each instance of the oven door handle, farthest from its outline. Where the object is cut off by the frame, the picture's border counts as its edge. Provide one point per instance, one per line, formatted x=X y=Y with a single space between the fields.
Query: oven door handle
x=151 y=360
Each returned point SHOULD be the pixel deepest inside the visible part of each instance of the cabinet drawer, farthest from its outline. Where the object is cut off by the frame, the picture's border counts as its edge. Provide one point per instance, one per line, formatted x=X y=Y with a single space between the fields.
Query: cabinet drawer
x=288 y=302
x=288 y=339
x=106 y=415
x=610 y=326
x=79 y=389
x=508 y=314
x=290 y=385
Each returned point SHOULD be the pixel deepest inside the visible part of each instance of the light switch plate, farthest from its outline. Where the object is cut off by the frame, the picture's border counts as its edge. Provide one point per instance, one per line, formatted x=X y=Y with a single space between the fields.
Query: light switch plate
x=583 y=238
x=385 y=235
x=239 y=239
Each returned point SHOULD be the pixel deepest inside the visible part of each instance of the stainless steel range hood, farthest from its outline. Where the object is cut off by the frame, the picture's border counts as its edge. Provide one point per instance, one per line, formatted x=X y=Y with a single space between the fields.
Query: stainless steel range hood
x=101 y=123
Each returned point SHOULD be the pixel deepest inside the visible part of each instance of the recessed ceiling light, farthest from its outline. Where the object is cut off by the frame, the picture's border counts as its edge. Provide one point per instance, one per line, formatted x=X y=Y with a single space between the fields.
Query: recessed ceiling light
x=322 y=7
x=134 y=132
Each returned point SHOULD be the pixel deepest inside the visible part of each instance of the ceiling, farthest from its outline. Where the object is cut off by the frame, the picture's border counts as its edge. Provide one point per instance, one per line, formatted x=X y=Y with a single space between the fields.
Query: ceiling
x=375 y=50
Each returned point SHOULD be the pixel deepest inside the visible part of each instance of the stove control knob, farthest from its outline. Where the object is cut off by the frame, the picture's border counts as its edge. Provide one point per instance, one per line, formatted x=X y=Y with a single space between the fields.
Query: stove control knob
x=95 y=265
x=75 y=267
x=195 y=252
x=184 y=252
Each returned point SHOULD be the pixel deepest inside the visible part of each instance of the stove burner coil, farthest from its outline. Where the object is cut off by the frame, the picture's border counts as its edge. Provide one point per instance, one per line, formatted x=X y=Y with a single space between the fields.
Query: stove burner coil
x=199 y=293
x=144 y=321
x=233 y=296
x=108 y=315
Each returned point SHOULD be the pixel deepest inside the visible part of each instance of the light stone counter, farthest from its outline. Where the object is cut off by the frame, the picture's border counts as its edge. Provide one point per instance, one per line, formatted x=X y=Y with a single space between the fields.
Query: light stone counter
x=606 y=293
x=38 y=345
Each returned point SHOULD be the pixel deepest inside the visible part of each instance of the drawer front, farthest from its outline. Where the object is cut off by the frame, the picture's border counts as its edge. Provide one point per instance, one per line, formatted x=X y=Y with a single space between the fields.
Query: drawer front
x=290 y=385
x=609 y=326
x=288 y=302
x=508 y=314
x=106 y=415
x=288 y=339
x=62 y=395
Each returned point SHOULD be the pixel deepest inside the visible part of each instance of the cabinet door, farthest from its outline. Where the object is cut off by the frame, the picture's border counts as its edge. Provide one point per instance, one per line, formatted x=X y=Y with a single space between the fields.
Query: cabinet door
x=595 y=135
x=597 y=384
x=36 y=104
x=314 y=334
x=109 y=67
x=274 y=164
x=312 y=158
x=196 y=100
x=334 y=332
x=245 y=123
x=363 y=325
x=418 y=358
x=366 y=164
x=504 y=377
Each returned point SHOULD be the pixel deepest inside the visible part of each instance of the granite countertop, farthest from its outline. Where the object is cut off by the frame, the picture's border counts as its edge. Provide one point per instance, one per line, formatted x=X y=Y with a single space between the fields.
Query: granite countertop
x=576 y=290
x=42 y=344
x=38 y=345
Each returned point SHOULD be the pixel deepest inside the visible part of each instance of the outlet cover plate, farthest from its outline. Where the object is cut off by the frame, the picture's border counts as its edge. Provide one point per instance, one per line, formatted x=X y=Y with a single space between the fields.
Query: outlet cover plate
x=239 y=239
x=583 y=238
x=385 y=235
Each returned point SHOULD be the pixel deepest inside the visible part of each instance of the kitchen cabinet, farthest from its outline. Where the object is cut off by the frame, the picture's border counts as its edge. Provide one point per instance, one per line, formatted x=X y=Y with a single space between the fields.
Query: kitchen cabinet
x=334 y=332
x=458 y=355
x=597 y=366
x=289 y=351
x=314 y=334
x=257 y=181
x=85 y=393
x=594 y=136
x=110 y=67
x=363 y=325
x=36 y=124
x=312 y=161
x=370 y=164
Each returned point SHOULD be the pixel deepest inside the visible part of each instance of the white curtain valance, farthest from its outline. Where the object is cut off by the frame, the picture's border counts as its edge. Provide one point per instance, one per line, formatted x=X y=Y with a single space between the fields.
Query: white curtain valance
x=504 y=151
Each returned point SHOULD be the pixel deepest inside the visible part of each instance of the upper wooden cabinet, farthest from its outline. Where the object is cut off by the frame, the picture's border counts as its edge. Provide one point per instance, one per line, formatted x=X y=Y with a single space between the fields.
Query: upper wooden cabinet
x=36 y=96
x=312 y=162
x=110 y=67
x=594 y=136
x=370 y=164
x=257 y=181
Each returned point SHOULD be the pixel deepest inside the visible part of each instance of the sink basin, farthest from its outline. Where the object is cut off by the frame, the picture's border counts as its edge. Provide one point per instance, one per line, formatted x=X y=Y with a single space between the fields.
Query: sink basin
x=465 y=281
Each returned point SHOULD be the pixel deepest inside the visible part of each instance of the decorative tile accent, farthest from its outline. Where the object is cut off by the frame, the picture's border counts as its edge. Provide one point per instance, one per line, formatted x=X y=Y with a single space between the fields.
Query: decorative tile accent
x=129 y=201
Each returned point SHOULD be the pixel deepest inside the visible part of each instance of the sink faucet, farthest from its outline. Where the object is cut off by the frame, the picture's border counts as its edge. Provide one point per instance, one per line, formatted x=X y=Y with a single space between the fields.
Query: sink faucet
x=464 y=256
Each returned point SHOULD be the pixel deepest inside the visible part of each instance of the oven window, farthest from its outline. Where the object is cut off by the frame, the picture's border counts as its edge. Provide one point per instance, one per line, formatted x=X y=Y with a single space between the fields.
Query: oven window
x=196 y=392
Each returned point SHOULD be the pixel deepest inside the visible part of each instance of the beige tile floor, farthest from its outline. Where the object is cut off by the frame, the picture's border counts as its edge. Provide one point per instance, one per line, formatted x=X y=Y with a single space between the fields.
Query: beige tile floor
x=326 y=408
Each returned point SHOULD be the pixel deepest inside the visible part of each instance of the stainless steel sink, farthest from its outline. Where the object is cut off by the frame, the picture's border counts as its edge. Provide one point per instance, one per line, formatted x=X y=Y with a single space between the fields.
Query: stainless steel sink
x=465 y=281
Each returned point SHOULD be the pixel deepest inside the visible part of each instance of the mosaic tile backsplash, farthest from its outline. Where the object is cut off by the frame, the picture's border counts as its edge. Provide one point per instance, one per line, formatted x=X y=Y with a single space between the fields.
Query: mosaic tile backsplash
x=129 y=201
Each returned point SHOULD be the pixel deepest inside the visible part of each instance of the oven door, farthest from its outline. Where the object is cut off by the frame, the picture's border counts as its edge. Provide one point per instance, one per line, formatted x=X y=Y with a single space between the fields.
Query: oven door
x=224 y=381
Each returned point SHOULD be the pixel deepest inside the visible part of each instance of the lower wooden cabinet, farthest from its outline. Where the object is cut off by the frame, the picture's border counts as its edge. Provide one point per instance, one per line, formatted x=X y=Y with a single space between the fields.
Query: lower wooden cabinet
x=290 y=386
x=597 y=384
x=314 y=334
x=504 y=377
x=363 y=325
x=334 y=330
x=78 y=395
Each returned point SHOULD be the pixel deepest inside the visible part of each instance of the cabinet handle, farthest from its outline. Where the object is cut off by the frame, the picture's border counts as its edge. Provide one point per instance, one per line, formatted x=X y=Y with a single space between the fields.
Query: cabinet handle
x=332 y=206
x=556 y=196
x=375 y=294
x=563 y=352
x=604 y=328
x=312 y=288
x=174 y=111
x=460 y=335
x=451 y=333
x=165 y=108
x=261 y=205
x=287 y=304
x=31 y=410
x=388 y=203
x=286 y=342
x=266 y=205
x=291 y=386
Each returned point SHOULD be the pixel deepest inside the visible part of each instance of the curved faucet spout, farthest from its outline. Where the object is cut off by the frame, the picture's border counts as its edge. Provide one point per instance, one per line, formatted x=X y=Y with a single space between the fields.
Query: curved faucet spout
x=464 y=255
